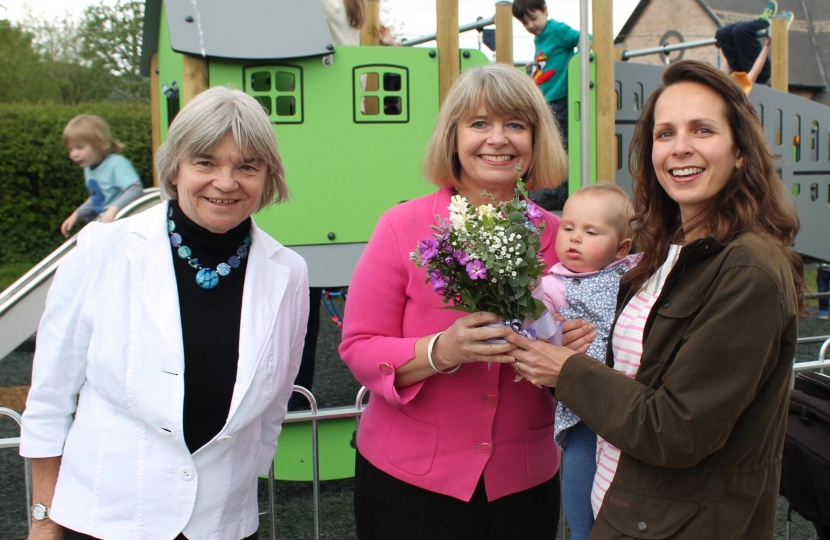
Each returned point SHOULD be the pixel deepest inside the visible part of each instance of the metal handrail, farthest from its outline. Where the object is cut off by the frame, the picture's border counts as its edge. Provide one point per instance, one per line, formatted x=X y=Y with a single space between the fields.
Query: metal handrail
x=14 y=442
x=478 y=25
x=313 y=417
x=812 y=339
x=46 y=268
x=667 y=48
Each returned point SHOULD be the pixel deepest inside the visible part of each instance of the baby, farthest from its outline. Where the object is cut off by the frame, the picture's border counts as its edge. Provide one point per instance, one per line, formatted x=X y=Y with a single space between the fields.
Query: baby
x=593 y=245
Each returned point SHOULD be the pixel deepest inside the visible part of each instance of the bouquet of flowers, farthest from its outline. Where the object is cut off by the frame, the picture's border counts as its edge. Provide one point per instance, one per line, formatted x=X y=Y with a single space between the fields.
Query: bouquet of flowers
x=486 y=258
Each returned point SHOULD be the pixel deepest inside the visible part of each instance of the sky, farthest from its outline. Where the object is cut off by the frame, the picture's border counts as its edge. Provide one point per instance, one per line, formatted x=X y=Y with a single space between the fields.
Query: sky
x=412 y=18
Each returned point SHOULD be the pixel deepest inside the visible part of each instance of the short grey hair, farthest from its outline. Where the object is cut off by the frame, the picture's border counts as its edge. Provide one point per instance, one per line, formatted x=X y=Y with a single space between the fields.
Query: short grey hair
x=504 y=91
x=205 y=121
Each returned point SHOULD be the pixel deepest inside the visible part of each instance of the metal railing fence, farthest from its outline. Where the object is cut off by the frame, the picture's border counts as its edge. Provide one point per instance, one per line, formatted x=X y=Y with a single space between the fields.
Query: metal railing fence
x=316 y=415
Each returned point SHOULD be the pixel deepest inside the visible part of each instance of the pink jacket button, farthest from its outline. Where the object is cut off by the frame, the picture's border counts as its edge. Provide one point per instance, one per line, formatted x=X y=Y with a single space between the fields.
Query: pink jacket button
x=386 y=369
x=491 y=401
x=485 y=449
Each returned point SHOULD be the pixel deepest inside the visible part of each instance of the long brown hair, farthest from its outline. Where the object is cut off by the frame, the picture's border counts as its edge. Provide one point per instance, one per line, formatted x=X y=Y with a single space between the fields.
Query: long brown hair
x=355 y=12
x=753 y=199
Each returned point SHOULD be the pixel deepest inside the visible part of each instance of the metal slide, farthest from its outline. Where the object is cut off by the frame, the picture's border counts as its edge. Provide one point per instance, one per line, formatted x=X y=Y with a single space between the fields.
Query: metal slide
x=22 y=304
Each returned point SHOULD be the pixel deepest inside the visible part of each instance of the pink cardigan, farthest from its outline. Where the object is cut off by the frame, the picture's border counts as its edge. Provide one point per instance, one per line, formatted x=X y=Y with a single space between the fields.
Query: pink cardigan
x=443 y=433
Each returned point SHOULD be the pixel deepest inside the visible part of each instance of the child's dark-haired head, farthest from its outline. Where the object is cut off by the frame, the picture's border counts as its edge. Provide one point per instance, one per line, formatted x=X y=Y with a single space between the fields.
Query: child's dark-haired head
x=522 y=7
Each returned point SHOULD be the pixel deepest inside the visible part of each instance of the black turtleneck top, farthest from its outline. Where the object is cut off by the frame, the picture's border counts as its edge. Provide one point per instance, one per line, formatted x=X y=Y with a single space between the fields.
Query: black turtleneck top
x=210 y=327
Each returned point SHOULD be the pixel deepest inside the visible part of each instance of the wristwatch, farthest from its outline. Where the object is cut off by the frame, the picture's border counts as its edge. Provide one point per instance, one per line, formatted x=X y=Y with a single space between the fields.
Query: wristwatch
x=40 y=512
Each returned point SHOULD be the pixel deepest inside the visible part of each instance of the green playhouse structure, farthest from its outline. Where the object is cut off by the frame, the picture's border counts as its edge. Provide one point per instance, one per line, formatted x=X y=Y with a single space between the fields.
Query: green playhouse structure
x=351 y=122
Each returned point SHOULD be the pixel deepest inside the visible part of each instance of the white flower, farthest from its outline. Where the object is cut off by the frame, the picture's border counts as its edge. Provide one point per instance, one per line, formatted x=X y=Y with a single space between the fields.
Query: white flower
x=457 y=220
x=458 y=211
x=458 y=205
x=513 y=274
x=486 y=210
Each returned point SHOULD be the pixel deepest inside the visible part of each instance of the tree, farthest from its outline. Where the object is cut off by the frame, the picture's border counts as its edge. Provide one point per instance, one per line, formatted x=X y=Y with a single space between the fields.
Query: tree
x=23 y=73
x=58 y=44
x=111 y=40
x=95 y=58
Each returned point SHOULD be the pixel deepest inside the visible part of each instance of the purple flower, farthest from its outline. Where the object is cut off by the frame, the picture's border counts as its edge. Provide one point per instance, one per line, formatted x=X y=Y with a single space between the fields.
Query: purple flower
x=439 y=282
x=533 y=212
x=428 y=248
x=461 y=256
x=476 y=270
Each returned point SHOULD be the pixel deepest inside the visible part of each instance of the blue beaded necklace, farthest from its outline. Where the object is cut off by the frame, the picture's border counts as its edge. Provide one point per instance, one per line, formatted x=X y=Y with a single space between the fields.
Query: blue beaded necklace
x=206 y=278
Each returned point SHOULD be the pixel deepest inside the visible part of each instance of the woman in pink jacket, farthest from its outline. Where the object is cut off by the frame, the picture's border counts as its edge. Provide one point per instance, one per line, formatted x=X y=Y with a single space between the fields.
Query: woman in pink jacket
x=455 y=450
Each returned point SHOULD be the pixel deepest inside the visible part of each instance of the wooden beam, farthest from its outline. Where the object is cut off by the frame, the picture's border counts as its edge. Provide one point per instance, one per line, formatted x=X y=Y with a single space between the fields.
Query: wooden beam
x=370 y=31
x=155 y=112
x=604 y=56
x=504 y=32
x=780 y=52
x=449 y=63
x=195 y=78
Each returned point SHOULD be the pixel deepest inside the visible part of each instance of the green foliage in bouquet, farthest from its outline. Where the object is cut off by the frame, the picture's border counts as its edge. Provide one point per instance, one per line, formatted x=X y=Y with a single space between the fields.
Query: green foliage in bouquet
x=486 y=258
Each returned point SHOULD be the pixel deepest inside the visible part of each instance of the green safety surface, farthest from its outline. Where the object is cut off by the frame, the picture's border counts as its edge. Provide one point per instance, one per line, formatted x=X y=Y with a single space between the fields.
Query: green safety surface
x=294 y=458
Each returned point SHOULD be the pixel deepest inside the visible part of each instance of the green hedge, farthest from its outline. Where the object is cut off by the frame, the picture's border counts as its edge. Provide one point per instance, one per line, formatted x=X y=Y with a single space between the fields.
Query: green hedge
x=39 y=185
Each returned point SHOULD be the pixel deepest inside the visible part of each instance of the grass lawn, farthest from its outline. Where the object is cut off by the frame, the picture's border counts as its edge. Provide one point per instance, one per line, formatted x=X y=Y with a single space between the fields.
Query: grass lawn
x=11 y=271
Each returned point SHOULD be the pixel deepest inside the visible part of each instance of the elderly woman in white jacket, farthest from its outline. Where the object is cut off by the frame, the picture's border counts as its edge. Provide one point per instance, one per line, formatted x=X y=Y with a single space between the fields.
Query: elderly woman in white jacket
x=168 y=348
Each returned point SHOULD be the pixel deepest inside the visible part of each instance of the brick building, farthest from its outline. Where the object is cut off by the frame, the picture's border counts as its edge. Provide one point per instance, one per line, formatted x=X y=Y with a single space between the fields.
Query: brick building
x=654 y=22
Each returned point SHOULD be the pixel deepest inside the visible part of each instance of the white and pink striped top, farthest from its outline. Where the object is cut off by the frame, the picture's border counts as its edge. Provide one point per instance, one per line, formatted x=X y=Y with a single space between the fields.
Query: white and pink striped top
x=627 y=345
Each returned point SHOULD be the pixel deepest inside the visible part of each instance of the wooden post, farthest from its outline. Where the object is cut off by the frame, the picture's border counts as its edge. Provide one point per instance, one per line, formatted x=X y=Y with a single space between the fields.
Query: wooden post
x=370 y=31
x=504 y=32
x=449 y=63
x=604 y=56
x=195 y=76
x=155 y=112
x=780 y=52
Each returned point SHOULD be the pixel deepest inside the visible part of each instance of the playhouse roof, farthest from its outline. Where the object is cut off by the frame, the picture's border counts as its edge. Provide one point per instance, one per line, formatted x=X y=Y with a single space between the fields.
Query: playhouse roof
x=809 y=35
x=242 y=29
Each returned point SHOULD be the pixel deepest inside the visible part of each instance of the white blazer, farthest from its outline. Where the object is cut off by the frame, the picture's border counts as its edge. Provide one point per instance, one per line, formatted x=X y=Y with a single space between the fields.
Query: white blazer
x=110 y=340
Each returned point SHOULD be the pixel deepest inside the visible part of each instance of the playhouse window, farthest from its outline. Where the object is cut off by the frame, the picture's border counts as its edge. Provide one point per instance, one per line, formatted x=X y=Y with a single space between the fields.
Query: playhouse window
x=381 y=94
x=261 y=81
x=392 y=105
x=279 y=89
x=391 y=82
x=369 y=105
x=265 y=101
x=369 y=82
x=286 y=106
x=284 y=81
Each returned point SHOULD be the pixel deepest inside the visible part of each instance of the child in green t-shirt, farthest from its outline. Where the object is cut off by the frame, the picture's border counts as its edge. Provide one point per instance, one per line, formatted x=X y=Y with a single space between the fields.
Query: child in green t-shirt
x=555 y=46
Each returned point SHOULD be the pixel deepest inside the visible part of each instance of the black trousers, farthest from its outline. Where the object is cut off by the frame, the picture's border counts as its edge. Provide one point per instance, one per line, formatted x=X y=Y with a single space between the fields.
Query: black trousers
x=305 y=376
x=387 y=508
x=741 y=47
x=553 y=200
x=69 y=534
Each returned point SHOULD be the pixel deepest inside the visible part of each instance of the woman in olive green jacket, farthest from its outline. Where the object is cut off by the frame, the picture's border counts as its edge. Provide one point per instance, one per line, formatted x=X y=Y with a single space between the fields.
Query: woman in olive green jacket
x=691 y=407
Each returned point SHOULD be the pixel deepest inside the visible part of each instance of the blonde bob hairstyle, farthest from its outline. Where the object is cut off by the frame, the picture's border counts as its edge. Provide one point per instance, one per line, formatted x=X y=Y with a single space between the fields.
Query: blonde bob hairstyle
x=205 y=121
x=508 y=93
x=92 y=130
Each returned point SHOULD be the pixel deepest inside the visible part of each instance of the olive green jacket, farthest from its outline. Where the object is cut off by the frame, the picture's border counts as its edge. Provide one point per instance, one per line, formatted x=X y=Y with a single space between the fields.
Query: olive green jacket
x=701 y=427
